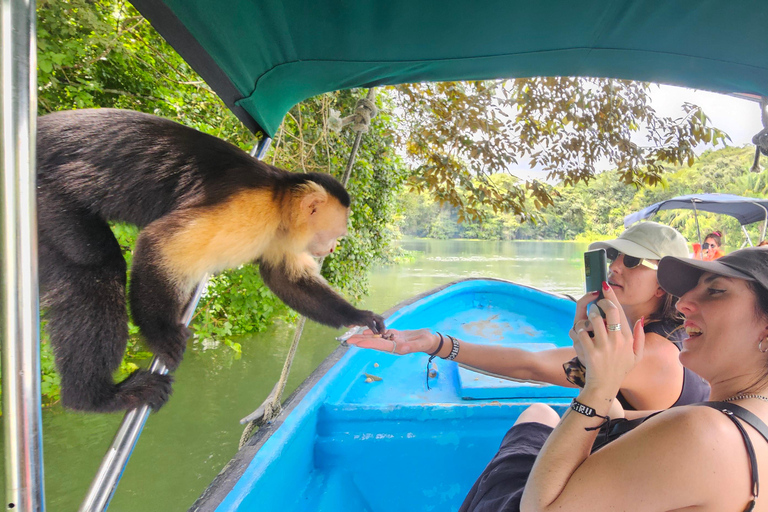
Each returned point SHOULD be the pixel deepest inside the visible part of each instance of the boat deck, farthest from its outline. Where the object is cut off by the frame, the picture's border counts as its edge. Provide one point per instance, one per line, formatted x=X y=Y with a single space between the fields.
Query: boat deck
x=393 y=444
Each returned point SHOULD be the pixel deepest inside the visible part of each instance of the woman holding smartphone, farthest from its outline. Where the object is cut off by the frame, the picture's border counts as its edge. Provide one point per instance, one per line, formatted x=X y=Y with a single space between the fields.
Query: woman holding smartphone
x=659 y=381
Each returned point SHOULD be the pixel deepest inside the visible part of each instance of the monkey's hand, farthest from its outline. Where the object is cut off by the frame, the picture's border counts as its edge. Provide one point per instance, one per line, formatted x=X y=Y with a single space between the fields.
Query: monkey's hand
x=373 y=321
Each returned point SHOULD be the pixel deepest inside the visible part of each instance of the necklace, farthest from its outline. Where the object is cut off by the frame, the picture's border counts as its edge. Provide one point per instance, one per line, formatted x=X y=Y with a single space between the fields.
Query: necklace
x=739 y=397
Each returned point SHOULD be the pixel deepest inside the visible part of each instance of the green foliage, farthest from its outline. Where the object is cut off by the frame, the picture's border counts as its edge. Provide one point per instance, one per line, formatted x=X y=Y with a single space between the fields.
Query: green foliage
x=103 y=53
x=587 y=213
x=236 y=303
x=461 y=133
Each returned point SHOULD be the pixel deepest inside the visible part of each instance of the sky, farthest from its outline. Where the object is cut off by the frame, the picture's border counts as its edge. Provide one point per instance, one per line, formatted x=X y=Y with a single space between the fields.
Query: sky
x=737 y=117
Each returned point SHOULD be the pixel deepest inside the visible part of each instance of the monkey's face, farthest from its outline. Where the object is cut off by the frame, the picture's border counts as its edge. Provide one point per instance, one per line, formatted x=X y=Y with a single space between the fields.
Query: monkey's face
x=327 y=223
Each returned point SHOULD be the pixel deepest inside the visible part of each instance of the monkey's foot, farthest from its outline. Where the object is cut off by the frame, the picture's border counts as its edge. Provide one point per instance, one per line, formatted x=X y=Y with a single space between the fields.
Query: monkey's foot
x=144 y=388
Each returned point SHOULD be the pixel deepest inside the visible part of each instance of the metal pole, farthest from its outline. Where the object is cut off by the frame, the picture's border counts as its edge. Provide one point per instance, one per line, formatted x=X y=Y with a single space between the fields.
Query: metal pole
x=765 y=222
x=24 y=489
x=748 y=241
x=260 y=149
x=698 y=230
x=113 y=464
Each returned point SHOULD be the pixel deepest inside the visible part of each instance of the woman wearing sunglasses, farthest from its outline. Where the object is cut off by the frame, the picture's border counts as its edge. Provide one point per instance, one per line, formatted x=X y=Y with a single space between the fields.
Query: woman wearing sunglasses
x=701 y=458
x=712 y=246
x=658 y=382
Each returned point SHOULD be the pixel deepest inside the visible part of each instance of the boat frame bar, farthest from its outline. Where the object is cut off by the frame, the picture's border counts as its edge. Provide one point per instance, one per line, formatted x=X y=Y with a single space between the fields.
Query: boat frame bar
x=20 y=316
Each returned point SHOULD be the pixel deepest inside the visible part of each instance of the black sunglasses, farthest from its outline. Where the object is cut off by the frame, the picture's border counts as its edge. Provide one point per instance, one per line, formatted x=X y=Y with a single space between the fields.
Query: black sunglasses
x=706 y=246
x=629 y=261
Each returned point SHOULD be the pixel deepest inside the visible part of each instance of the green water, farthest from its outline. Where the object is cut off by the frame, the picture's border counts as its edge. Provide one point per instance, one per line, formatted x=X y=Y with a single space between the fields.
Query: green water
x=186 y=444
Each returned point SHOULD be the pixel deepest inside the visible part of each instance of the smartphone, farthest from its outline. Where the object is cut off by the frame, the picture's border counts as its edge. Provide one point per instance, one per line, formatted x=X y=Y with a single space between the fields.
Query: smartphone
x=595 y=271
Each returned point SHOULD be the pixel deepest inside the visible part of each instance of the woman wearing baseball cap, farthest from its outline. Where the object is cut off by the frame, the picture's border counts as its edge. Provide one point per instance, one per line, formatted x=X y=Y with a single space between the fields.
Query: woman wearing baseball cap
x=633 y=258
x=686 y=458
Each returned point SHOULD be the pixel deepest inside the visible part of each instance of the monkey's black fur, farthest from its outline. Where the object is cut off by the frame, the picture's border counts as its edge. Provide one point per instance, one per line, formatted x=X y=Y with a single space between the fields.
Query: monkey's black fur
x=102 y=165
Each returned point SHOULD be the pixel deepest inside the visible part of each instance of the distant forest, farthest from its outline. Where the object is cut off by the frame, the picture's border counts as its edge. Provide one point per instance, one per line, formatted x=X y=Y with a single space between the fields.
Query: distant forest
x=596 y=210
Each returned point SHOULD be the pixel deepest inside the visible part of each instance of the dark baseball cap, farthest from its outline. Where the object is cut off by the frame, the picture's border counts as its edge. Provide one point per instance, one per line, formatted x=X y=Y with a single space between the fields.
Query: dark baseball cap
x=679 y=275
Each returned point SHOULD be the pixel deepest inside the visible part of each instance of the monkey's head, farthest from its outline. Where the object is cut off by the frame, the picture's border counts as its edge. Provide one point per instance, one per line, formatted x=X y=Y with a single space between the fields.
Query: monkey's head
x=323 y=213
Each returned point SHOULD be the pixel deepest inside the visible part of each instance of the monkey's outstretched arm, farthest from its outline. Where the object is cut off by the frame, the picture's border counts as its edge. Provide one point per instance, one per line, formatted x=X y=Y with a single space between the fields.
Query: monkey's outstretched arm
x=310 y=295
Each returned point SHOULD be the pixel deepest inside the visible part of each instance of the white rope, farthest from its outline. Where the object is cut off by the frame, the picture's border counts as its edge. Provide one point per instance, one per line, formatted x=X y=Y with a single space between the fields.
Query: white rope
x=365 y=110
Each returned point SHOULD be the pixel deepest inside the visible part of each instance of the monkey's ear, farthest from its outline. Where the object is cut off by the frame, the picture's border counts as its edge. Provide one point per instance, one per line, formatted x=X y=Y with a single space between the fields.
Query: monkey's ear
x=311 y=202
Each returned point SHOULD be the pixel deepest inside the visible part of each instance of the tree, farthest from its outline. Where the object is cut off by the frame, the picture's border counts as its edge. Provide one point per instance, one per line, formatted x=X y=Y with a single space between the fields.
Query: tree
x=460 y=133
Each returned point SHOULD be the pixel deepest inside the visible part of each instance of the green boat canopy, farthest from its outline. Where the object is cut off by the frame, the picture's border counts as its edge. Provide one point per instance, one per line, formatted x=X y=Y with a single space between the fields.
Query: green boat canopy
x=264 y=56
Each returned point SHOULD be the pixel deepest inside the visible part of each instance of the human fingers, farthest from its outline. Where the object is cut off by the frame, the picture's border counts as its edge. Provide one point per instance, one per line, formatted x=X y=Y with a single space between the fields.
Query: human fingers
x=380 y=343
x=582 y=304
x=638 y=334
x=610 y=295
x=583 y=343
x=580 y=324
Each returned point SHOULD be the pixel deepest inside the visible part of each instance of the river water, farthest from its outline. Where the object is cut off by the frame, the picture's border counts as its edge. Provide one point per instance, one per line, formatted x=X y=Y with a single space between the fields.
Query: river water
x=189 y=441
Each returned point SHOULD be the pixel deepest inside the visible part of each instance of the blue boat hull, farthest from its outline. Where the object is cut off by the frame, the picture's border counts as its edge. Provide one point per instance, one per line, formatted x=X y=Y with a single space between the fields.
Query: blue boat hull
x=392 y=444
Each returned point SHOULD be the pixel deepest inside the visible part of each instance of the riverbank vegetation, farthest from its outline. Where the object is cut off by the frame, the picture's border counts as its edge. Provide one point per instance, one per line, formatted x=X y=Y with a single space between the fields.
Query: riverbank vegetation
x=443 y=144
x=590 y=212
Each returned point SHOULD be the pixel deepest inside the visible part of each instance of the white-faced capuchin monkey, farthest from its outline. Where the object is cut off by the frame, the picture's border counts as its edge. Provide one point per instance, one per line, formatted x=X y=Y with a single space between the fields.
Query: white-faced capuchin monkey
x=204 y=206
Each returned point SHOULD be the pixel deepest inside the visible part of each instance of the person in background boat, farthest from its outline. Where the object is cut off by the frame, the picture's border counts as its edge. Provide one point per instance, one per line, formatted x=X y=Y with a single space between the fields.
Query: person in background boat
x=685 y=458
x=712 y=246
x=658 y=382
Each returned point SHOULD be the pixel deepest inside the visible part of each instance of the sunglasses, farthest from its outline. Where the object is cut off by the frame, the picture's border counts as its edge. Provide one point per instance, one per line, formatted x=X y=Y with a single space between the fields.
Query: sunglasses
x=629 y=261
x=706 y=246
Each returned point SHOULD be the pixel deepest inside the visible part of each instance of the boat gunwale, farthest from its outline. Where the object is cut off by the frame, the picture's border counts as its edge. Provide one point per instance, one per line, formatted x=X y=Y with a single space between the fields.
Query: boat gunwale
x=231 y=473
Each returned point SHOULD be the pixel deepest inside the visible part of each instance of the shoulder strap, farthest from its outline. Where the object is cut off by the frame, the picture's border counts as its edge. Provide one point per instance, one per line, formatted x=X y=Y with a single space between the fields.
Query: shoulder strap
x=743 y=414
x=733 y=411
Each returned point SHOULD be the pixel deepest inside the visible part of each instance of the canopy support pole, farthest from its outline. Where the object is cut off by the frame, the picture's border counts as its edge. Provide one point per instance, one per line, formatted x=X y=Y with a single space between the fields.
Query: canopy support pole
x=698 y=230
x=765 y=225
x=749 y=240
x=20 y=317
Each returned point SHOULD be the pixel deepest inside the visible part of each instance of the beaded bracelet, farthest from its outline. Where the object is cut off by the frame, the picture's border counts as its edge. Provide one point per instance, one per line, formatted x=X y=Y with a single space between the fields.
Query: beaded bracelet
x=454 y=348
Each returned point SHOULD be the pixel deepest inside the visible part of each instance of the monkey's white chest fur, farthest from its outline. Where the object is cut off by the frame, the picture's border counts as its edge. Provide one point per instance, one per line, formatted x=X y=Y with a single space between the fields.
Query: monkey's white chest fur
x=213 y=239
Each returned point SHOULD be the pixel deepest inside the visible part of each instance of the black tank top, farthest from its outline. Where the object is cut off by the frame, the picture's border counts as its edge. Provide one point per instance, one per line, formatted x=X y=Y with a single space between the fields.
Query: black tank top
x=695 y=389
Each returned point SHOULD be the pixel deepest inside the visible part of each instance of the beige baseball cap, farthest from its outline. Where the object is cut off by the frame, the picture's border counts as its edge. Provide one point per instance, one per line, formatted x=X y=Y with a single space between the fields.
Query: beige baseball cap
x=649 y=240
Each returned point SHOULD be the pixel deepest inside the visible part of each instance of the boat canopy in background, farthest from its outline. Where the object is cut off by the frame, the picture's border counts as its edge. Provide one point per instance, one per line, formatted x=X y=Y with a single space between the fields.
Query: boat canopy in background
x=745 y=209
x=264 y=56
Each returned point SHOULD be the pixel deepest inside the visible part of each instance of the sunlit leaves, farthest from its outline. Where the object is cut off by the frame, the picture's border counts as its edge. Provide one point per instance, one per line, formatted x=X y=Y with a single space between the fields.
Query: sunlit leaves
x=458 y=134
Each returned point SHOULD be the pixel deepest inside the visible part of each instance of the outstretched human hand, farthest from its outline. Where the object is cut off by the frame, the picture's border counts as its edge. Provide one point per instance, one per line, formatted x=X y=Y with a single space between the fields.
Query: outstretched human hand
x=397 y=342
